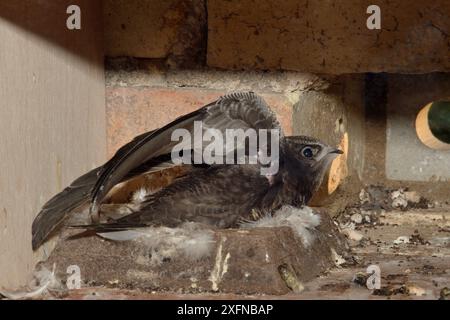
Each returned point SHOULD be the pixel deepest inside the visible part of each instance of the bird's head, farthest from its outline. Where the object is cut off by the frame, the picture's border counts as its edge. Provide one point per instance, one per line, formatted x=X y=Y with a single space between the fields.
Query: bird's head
x=310 y=159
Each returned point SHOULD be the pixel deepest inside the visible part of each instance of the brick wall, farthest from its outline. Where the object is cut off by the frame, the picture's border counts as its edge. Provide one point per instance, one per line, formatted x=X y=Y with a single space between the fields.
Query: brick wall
x=308 y=36
x=329 y=36
x=139 y=100
x=308 y=59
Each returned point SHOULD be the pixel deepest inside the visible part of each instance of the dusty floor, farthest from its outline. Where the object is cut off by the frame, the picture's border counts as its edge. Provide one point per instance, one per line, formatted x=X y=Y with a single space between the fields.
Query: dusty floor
x=411 y=247
x=415 y=270
x=272 y=260
x=403 y=235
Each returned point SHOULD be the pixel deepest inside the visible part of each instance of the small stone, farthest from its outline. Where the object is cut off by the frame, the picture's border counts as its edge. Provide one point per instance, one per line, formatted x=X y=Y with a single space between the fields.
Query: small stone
x=364 y=197
x=348 y=225
x=396 y=194
x=290 y=278
x=361 y=278
x=337 y=258
x=412 y=196
x=357 y=218
x=401 y=240
x=399 y=200
x=415 y=290
x=399 y=203
x=444 y=294
x=353 y=234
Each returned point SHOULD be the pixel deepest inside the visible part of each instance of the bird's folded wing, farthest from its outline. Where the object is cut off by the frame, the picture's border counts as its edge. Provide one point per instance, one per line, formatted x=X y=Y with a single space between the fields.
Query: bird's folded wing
x=78 y=193
x=149 y=152
x=237 y=110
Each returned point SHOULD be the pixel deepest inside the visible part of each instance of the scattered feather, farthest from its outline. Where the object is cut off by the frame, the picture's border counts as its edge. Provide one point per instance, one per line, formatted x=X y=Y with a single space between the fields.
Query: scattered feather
x=44 y=281
x=190 y=240
x=302 y=221
x=125 y=235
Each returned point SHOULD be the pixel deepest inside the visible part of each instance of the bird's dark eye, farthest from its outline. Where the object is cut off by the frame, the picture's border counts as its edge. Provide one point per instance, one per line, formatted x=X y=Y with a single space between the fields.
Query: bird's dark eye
x=307 y=152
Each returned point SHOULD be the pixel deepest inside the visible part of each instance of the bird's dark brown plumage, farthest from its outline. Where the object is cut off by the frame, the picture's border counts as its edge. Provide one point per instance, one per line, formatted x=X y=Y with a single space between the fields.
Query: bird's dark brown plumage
x=219 y=195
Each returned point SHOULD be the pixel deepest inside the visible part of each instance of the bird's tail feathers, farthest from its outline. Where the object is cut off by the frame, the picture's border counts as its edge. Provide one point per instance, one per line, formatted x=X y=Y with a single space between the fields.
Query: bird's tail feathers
x=58 y=208
x=108 y=227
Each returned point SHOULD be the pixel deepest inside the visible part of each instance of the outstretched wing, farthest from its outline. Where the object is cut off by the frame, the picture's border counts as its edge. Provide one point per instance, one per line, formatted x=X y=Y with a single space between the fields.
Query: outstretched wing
x=237 y=110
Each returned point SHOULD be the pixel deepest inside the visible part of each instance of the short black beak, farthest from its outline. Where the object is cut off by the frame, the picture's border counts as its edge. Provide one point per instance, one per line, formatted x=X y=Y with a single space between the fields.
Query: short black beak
x=338 y=151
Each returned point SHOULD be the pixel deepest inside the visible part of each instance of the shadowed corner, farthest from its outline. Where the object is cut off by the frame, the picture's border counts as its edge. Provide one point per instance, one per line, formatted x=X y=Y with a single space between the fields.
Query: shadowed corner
x=42 y=18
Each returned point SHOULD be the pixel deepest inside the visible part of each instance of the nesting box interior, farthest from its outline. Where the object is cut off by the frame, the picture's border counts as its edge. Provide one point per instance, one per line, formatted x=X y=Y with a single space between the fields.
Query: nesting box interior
x=71 y=97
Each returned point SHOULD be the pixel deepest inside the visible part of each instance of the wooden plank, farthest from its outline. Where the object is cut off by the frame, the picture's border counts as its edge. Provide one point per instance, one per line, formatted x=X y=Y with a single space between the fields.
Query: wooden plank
x=52 y=116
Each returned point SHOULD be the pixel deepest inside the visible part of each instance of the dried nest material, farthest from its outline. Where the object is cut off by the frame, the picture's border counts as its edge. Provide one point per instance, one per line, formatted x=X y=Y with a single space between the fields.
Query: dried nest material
x=379 y=197
x=302 y=221
x=375 y=201
x=416 y=238
x=191 y=240
x=44 y=282
x=196 y=241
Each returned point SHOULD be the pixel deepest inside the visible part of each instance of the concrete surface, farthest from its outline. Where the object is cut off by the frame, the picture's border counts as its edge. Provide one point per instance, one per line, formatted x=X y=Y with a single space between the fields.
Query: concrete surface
x=389 y=91
x=406 y=157
x=329 y=114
